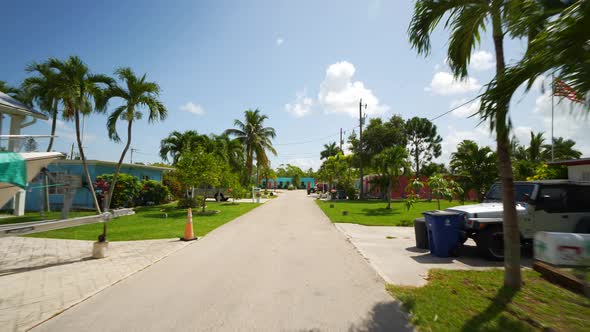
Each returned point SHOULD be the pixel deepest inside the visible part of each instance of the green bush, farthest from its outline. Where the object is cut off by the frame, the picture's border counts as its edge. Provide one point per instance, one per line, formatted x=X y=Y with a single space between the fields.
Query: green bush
x=291 y=187
x=127 y=189
x=190 y=202
x=154 y=192
x=350 y=192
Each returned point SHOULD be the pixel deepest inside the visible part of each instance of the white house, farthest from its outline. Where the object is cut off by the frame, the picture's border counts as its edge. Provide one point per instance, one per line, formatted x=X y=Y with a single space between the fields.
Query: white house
x=577 y=169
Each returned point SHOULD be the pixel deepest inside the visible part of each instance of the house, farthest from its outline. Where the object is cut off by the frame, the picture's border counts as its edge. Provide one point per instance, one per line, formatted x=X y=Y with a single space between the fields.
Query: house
x=70 y=171
x=577 y=169
x=284 y=182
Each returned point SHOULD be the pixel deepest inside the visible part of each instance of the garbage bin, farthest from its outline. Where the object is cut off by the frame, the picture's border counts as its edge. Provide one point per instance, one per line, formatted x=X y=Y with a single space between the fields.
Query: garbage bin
x=444 y=233
x=421 y=233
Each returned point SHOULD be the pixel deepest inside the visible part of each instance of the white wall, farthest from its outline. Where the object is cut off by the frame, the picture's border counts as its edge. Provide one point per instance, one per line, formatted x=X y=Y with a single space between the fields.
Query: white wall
x=578 y=173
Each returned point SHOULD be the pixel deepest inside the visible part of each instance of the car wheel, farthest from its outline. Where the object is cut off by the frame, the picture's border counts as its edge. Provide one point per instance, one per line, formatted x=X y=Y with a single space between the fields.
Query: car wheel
x=490 y=243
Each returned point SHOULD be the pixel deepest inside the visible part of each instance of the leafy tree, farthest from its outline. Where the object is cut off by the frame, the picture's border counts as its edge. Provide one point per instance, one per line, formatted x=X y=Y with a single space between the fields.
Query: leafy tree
x=289 y=170
x=466 y=20
x=535 y=148
x=478 y=167
x=137 y=94
x=413 y=192
x=330 y=150
x=433 y=168
x=390 y=163
x=548 y=172
x=441 y=188
x=377 y=136
x=296 y=180
x=30 y=144
x=563 y=149
x=8 y=89
x=199 y=169
x=127 y=189
x=154 y=192
x=177 y=142
x=256 y=139
x=78 y=88
x=423 y=141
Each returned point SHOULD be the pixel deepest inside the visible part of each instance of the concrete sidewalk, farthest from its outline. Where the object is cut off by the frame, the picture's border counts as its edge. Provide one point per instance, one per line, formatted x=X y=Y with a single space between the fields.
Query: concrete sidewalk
x=280 y=267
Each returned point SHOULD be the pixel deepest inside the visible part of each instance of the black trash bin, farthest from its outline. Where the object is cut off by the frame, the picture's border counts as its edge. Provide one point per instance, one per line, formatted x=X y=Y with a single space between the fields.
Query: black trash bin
x=421 y=233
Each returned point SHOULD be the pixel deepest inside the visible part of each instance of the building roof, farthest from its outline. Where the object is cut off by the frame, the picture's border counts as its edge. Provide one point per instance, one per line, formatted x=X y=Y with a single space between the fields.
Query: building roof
x=571 y=162
x=9 y=105
x=112 y=163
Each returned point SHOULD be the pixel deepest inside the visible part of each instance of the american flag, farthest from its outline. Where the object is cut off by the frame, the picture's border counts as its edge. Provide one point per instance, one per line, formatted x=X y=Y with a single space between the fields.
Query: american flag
x=562 y=89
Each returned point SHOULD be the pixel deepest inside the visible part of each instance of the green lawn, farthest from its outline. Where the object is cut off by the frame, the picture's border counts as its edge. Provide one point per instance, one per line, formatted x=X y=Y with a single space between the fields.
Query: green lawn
x=150 y=223
x=374 y=213
x=37 y=216
x=476 y=301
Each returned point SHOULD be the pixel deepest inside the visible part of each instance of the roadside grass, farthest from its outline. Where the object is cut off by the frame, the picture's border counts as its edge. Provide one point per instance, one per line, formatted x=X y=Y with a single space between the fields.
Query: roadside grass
x=151 y=223
x=476 y=301
x=374 y=213
x=37 y=216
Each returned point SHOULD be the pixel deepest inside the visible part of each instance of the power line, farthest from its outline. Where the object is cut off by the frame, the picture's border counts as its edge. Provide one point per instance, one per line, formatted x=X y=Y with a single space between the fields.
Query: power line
x=312 y=140
x=454 y=108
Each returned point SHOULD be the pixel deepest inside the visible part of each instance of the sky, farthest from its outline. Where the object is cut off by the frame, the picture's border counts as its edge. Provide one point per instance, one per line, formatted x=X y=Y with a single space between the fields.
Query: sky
x=304 y=63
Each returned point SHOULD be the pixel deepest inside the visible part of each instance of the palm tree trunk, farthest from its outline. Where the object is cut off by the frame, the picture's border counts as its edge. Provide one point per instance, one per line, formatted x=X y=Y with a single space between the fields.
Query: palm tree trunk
x=389 y=187
x=49 y=147
x=118 y=167
x=84 y=165
x=512 y=273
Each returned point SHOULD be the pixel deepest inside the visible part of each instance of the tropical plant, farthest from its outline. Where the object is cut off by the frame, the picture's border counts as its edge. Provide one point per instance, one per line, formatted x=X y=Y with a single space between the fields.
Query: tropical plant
x=433 y=168
x=8 y=89
x=423 y=141
x=256 y=139
x=548 y=172
x=390 y=164
x=330 y=150
x=137 y=95
x=563 y=149
x=78 y=88
x=467 y=19
x=478 y=167
x=413 y=190
x=296 y=180
x=127 y=189
x=535 y=148
x=153 y=192
x=199 y=169
x=441 y=188
x=177 y=142
x=377 y=136
x=30 y=144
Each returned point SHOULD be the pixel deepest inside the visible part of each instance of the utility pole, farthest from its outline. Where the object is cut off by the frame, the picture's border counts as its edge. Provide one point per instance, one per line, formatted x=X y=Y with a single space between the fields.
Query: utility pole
x=361 y=120
x=131 y=156
x=340 y=139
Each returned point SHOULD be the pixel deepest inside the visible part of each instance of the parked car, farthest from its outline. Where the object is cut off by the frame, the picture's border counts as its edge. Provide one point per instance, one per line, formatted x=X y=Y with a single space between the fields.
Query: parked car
x=549 y=205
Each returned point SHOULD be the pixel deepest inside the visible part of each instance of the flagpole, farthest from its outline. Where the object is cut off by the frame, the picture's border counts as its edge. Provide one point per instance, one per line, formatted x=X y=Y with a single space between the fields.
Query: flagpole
x=552 y=94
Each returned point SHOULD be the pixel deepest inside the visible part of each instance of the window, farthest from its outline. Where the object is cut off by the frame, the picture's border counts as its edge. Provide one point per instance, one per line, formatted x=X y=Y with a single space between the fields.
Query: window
x=578 y=199
x=552 y=199
x=145 y=177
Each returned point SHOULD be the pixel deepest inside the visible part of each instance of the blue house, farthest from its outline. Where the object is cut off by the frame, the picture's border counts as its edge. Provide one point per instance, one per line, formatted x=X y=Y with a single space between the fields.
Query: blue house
x=284 y=182
x=71 y=171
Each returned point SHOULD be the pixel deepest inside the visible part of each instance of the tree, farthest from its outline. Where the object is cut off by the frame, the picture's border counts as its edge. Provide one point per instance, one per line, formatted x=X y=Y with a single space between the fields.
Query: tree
x=467 y=19
x=377 y=136
x=296 y=181
x=30 y=144
x=177 y=142
x=441 y=188
x=289 y=170
x=390 y=163
x=256 y=139
x=433 y=168
x=423 y=141
x=478 y=167
x=563 y=149
x=8 y=89
x=535 y=147
x=78 y=88
x=199 y=169
x=137 y=94
x=329 y=150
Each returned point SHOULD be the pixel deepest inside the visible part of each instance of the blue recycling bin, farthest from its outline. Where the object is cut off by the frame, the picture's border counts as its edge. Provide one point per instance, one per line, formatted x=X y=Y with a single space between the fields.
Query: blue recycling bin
x=444 y=232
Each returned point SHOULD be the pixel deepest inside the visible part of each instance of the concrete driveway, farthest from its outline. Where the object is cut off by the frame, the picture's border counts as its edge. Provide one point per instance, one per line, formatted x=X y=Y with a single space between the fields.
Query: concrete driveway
x=281 y=267
x=393 y=254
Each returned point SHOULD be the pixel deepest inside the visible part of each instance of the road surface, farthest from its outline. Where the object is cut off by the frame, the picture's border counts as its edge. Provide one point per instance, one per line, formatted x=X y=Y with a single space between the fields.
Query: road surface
x=280 y=267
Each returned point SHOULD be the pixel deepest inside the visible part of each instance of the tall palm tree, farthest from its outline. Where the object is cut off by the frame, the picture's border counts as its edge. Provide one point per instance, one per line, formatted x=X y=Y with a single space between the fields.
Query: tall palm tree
x=78 y=88
x=8 y=89
x=329 y=150
x=467 y=19
x=477 y=165
x=256 y=139
x=137 y=95
x=563 y=149
x=535 y=148
x=43 y=89
x=177 y=142
x=391 y=163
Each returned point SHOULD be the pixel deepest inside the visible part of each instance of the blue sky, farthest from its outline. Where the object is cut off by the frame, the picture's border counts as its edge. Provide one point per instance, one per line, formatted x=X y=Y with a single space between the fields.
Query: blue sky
x=303 y=63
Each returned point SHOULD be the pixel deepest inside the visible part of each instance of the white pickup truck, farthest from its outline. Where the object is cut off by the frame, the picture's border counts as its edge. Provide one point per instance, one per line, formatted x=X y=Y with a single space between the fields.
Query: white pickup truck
x=548 y=205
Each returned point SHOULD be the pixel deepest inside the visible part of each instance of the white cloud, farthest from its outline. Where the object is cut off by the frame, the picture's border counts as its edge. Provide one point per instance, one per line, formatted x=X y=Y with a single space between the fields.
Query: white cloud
x=465 y=111
x=301 y=106
x=523 y=134
x=193 y=108
x=482 y=60
x=443 y=83
x=480 y=134
x=280 y=41
x=340 y=94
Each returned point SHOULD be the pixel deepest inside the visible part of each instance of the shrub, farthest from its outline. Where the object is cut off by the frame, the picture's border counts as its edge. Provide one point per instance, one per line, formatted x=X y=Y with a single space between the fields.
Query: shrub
x=350 y=192
x=190 y=202
x=154 y=192
x=291 y=187
x=127 y=189
x=170 y=180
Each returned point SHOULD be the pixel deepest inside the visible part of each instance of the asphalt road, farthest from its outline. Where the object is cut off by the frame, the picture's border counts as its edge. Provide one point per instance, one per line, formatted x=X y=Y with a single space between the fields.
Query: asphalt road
x=280 y=267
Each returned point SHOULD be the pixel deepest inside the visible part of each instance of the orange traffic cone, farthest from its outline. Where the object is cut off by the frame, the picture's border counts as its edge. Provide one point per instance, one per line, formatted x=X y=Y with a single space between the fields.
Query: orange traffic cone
x=189 y=235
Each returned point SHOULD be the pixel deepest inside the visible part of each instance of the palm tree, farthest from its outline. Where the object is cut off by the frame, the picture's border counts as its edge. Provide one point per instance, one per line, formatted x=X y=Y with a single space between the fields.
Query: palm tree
x=8 y=89
x=478 y=166
x=78 y=88
x=467 y=19
x=177 y=142
x=43 y=89
x=230 y=150
x=256 y=139
x=535 y=150
x=391 y=163
x=329 y=150
x=563 y=149
x=137 y=94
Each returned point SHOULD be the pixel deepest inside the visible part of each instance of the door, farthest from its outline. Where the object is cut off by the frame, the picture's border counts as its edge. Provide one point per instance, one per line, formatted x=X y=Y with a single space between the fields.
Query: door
x=551 y=213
